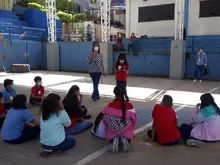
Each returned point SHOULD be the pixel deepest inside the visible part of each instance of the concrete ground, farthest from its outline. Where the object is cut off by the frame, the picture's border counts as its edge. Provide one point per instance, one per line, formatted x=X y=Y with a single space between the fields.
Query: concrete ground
x=144 y=93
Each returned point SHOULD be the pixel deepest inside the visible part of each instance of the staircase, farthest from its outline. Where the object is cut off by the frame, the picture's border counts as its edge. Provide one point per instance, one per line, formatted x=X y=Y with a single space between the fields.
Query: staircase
x=12 y=27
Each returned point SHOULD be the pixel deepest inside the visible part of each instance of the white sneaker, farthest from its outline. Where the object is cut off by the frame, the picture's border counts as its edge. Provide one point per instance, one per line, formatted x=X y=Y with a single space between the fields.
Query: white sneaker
x=126 y=145
x=200 y=80
x=115 y=145
x=196 y=143
x=194 y=80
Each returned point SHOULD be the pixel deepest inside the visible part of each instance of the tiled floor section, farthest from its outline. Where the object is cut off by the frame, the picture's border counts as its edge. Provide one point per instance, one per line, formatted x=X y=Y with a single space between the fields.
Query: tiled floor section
x=144 y=93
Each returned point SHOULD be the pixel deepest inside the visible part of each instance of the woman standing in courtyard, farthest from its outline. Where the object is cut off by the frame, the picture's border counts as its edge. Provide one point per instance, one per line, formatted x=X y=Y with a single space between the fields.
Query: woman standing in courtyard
x=96 y=69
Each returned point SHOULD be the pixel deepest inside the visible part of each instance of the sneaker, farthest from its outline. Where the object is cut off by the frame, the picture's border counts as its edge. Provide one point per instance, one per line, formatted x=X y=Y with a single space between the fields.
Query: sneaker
x=46 y=154
x=195 y=143
x=126 y=145
x=194 y=80
x=115 y=145
x=200 y=80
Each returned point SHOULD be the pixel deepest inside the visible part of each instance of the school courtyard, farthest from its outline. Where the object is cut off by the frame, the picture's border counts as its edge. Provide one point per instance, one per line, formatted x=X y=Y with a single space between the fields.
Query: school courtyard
x=144 y=93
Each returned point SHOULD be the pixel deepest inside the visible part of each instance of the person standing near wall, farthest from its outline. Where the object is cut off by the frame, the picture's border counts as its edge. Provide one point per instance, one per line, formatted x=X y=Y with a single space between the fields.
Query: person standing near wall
x=201 y=62
x=96 y=69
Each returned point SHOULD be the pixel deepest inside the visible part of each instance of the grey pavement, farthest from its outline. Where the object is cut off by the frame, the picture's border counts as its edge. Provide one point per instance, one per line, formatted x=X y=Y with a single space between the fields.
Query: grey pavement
x=144 y=93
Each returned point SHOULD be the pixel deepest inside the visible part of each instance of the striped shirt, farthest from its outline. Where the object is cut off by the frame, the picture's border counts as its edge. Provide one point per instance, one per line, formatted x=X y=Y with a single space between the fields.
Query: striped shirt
x=96 y=63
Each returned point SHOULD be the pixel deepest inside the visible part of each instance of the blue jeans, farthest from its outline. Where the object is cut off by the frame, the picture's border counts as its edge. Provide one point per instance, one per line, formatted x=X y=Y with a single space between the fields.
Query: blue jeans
x=95 y=80
x=199 y=72
x=67 y=144
x=79 y=127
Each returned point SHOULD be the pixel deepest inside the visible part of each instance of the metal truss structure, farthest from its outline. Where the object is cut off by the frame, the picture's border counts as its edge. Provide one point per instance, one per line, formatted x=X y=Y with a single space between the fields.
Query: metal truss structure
x=179 y=19
x=105 y=7
x=51 y=20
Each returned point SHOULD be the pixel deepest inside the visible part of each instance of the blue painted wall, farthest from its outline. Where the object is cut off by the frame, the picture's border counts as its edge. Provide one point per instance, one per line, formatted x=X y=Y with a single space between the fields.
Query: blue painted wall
x=73 y=56
x=39 y=20
x=212 y=49
x=15 y=51
x=153 y=57
x=152 y=60
x=148 y=64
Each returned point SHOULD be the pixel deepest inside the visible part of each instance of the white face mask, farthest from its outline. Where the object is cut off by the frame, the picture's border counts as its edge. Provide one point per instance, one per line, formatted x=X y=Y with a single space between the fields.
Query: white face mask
x=39 y=83
x=96 y=48
x=121 y=61
x=201 y=51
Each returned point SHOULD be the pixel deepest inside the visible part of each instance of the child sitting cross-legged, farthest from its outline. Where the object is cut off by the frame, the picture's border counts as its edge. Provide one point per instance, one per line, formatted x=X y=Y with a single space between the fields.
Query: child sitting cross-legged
x=37 y=91
x=165 y=124
x=54 y=118
x=76 y=111
x=19 y=126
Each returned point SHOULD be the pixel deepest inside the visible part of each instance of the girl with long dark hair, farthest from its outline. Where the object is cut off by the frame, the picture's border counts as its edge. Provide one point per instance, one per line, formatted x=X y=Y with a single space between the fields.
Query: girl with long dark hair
x=122 y=69
x=76 y=111
x=54 y=118
x=205 y=123
x=119 y=120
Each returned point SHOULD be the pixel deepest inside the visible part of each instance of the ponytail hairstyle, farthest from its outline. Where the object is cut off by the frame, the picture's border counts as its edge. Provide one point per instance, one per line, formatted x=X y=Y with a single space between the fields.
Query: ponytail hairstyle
x=120 y=92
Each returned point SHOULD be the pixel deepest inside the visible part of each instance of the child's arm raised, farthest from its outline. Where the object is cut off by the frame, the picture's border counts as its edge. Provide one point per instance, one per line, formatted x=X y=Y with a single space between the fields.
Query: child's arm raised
x=64 y=118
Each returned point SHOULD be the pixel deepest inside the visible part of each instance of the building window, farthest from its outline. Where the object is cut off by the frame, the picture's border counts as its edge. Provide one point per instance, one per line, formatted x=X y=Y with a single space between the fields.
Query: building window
x=209 y=8
x=156 y=13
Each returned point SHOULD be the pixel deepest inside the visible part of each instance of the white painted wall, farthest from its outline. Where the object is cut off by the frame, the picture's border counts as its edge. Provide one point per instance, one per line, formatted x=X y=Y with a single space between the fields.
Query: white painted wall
x=157 y=29
x=119 y=17
x=201 y=26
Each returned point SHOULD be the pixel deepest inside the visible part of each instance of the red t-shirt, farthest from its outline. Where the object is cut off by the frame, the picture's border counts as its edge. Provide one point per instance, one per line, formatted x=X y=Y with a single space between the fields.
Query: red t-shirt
x=2 y=109
x=121 y=75
x=165 y=124
x=37 y=91
x=117 y=105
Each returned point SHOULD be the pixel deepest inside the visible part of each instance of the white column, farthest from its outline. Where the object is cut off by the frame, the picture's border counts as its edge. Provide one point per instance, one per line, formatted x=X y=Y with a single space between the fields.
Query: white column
x=105 y=7
x=51 y=20
x=179 y=19
x=127 y=18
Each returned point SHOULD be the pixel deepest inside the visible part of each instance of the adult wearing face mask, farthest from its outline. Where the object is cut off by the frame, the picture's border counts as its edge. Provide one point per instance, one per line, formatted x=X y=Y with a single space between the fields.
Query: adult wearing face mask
x=201 y=62
x=121 y=70
x=96 y=69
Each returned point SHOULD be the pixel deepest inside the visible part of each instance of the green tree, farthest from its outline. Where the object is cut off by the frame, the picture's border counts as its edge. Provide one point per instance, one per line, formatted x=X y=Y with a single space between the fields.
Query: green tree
x=66 y=5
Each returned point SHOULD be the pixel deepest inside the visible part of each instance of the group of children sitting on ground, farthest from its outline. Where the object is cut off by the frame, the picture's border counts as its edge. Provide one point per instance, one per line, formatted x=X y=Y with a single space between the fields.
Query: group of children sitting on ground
x=116 y=123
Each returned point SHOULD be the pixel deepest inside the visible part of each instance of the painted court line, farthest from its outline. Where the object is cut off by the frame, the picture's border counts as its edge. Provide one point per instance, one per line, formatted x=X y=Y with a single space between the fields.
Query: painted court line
x=103 y=150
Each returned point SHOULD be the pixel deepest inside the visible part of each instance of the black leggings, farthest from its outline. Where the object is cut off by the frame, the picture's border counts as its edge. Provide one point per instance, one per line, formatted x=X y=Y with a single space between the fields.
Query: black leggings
x=28 y=133
x=185 y=131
